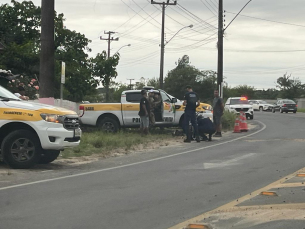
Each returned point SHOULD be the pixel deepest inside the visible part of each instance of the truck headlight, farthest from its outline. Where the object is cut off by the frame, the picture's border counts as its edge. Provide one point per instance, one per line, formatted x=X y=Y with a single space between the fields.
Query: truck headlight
x=52 y=118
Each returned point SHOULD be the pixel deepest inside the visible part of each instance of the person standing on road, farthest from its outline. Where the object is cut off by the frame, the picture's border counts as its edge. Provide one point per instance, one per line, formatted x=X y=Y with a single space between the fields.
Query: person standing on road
x=144 y=113
x=191 y=101
x=218 y=109
x=151 y=100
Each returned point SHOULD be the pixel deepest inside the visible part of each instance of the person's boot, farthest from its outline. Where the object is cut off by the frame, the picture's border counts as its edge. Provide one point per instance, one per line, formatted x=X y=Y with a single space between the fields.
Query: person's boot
x=197 y=138
x=187 y=140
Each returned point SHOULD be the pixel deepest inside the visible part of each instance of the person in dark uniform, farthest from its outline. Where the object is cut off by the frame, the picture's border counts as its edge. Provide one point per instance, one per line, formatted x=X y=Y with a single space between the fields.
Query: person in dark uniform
x=191 y=102
x=151 y=100
x=144 y=113
x=218 y=108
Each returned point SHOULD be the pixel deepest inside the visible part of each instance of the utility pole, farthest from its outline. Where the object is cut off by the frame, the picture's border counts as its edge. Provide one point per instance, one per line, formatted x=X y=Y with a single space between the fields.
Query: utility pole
x=47 y=65
x=130 y=85
x=162 y=36
x=220 y=50
x=109 y=39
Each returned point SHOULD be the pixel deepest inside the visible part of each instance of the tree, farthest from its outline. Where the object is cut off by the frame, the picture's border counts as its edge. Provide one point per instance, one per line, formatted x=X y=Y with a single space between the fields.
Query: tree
x=154 y=82
x=203 y=82
x=290 y=88
x=20 y=33
x=105 y=69
x=241 y=90
x=116 y=96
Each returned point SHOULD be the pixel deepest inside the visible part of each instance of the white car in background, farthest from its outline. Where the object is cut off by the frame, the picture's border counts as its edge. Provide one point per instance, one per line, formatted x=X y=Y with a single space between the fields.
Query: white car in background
x=261 y=105
x=239 y=104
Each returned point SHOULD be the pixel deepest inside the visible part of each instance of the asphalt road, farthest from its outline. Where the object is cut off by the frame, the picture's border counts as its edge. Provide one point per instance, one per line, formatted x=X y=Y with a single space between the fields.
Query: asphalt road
x=159 y=189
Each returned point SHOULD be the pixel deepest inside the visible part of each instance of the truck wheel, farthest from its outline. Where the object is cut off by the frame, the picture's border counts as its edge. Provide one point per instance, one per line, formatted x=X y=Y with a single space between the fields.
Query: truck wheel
x=48 y=156
x=281 y=110
x=108 y=125
x=273 y=110
x=260 y=109
x=21 y=149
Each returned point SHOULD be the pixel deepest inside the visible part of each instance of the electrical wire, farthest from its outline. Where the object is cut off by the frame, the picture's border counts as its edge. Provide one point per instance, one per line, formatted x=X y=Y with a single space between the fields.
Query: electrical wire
x=267 y=20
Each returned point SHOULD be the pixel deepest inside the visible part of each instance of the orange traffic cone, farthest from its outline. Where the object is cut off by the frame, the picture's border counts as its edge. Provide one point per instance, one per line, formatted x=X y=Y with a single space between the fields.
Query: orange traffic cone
x=236 y=126
x=244 y=124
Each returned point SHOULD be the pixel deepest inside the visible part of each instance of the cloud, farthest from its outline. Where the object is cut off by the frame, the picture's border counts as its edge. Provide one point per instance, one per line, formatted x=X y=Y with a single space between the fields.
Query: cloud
x=138 y=24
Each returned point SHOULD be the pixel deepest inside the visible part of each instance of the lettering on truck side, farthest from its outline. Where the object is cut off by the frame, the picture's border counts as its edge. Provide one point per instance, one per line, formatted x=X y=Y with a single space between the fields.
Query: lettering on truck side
x=136 y=120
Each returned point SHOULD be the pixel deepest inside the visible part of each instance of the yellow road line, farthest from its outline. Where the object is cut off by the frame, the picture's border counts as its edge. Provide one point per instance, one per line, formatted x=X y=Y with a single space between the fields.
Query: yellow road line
x=290 y=185
x=232 y=204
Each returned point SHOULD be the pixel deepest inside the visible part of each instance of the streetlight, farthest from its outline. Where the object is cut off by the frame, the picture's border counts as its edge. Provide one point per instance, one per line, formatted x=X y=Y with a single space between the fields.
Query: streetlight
x=162 y=54
x=122 y=47
x=189 y=26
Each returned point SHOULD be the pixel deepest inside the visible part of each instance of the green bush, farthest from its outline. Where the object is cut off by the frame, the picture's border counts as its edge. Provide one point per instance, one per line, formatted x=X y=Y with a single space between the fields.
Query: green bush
x=228 y=120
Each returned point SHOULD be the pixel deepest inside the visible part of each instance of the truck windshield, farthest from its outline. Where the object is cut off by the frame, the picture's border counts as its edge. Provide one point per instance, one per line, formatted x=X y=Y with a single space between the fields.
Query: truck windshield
x=5 y=94
x=238 y=101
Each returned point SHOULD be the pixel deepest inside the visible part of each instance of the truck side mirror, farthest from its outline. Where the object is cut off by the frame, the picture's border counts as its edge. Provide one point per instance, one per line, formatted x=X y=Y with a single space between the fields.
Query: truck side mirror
x=174 y=100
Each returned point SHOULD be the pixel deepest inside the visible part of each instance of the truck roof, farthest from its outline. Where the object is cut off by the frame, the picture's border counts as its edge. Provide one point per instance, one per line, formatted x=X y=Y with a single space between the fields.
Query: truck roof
x=124 y=92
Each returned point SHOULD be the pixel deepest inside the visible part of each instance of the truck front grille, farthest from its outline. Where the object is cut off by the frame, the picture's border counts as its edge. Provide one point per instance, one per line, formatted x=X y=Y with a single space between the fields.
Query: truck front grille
x=241 y=109
x=71 y=123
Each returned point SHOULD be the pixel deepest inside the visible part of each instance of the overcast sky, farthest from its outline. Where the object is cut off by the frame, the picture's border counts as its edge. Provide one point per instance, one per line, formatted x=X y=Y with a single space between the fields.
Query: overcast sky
x=257 y=52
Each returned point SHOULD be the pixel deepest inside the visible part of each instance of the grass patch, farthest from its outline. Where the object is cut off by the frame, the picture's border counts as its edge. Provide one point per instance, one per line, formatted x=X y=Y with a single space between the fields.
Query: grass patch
x=228 y=121
x=97 y=142
x=302 y=110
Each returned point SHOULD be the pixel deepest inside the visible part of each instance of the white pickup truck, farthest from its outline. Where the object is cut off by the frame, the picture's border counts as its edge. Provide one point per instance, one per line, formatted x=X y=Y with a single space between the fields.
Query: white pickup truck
x=110 y=117
x=32 y=133
x=239 y=104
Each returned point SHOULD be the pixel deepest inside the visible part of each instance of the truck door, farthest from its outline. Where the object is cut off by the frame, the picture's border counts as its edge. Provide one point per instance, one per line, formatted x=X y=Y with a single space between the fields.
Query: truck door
x=168 y=108
x=130 y=108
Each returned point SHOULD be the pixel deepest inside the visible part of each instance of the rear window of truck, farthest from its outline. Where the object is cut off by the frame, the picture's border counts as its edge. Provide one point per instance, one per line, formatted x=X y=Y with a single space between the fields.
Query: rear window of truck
x=133 y=97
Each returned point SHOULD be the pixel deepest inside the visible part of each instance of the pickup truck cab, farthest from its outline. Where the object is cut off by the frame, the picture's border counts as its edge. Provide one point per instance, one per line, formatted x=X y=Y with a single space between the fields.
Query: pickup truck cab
x=32 y=133
x=111 y=117
x=238 y=104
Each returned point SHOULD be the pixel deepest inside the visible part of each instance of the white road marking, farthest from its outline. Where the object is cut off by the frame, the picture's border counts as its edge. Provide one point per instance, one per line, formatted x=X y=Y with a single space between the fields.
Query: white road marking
x=132 y=164
x=223 y=164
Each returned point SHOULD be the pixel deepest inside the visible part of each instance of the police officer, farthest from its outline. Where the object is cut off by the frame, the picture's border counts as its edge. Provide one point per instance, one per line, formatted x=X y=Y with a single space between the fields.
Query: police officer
x=151 y=101
x=191 y=101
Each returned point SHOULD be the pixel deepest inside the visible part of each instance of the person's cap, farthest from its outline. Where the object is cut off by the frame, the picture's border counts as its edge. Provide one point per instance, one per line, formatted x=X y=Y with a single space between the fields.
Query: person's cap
x=188 y=87
x=151 y=91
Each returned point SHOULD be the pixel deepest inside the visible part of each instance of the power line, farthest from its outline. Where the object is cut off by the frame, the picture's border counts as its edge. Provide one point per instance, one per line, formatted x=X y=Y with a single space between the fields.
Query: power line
x=264 y=51
x=211 y=6
x=195 y=16
x=207 y=7
x=285 y=23
x=146 y=13
x=139 y=14
x=129 y=19
x=237 y=15
x=137 y=26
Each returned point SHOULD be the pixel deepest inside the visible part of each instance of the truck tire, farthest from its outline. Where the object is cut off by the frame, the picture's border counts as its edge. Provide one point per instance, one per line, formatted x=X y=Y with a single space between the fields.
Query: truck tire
x=108 y=125
x=261 y=109
x=21 y=149
x=49 y=156
x=281 y=110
